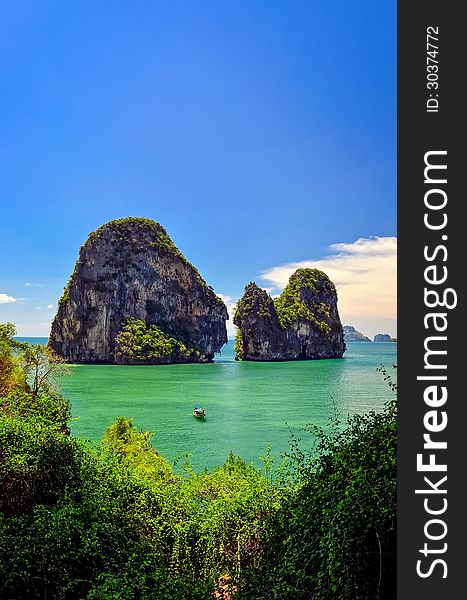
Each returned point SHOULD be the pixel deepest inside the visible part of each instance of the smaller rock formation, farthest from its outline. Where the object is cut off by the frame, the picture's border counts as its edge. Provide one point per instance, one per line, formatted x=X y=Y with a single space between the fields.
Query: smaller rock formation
x=382 y=337
x=302 y=323
x=352 y=335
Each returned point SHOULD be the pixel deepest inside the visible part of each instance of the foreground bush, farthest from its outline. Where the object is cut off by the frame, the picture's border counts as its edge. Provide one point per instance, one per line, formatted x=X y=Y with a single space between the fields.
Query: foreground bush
x=335 y=533
x=80 y=522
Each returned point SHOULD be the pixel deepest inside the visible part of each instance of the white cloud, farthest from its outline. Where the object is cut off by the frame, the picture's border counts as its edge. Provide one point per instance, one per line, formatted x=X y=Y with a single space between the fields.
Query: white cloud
x=364 y=273
x=40 y=329
x=29 y=284
x=49 y=305
x=231 y=307
x=5 y=299
x=269 y=290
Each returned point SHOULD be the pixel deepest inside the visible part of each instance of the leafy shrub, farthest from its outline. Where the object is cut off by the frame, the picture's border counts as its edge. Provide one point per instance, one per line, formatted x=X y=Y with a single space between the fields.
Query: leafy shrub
x=135 y=451
x=238 y=346
x=11 y=374
x=335 y=534
x=141 y=343
x=37 y=463
x=47 y=408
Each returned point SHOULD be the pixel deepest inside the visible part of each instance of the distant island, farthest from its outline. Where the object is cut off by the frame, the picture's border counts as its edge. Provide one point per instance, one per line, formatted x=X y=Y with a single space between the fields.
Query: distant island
x=384 y=337
x=352 y=335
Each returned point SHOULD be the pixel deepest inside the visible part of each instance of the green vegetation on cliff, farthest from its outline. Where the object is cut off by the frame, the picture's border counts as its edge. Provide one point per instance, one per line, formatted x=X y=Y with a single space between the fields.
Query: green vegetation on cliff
x=138 y=342
x=238 y=346
x=124 y=228
x=290 y=305
x=115 y=521
x=257 y=299
x=301 y=324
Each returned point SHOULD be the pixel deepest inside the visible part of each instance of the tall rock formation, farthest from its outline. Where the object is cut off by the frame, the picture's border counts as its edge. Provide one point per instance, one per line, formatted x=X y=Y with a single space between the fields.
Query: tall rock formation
x=133 y=298
x=303 y=323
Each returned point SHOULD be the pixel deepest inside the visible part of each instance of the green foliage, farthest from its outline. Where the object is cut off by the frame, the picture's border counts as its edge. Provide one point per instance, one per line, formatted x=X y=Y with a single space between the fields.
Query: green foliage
x=228 y=508
x=95 y=519
x=255 y=299
x=335 y=533
x=11 y=374
x=238 y=346
x=66 y=290
x=134 y=449
x=138 y=342
x=255 y=303
x=51 y=409
x=290 y=306
x=28 y=381
x=116 y=522
x=42 y=367
x=164 y=242
x=125 y=227
x=36 y=463
x=84 y=531
x=108 y=524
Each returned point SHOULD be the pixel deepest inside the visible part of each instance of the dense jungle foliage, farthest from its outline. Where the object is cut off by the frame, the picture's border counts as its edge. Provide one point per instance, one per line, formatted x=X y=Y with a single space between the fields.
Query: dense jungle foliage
x=141 y=343
x=116 y=521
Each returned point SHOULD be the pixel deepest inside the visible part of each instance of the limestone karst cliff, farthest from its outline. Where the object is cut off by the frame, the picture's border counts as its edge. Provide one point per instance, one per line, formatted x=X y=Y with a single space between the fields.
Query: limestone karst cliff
x=133 y=298
x=302 y=323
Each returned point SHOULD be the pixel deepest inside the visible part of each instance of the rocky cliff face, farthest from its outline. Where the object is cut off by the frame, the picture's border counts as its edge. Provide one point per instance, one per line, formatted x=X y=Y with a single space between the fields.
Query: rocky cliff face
x=352 y=335
x=130 y=272
x=303 y=323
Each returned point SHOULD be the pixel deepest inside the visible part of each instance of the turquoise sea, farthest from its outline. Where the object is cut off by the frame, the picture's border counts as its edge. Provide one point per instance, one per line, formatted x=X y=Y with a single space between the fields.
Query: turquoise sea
x=248 y=405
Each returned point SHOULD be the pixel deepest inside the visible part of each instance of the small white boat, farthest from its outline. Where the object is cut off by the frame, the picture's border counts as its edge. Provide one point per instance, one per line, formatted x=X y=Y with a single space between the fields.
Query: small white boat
x=199 y=412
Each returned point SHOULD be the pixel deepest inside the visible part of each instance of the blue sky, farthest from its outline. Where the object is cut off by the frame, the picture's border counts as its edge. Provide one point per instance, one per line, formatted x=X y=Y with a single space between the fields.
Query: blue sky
x=259 y=133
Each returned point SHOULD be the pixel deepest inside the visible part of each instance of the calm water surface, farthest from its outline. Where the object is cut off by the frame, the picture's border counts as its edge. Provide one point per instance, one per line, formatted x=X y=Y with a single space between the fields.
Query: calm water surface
x=248 y=405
